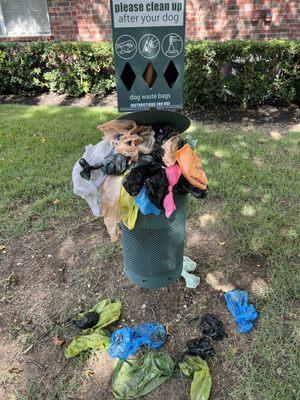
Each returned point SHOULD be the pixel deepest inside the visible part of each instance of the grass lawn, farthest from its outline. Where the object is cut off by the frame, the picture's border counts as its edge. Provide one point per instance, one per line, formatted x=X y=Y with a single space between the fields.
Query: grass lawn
x=253 y=176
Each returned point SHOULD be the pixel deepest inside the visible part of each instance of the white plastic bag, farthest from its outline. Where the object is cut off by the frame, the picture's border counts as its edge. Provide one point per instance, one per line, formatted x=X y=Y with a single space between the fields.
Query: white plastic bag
x=89 y=189
x=191 y=280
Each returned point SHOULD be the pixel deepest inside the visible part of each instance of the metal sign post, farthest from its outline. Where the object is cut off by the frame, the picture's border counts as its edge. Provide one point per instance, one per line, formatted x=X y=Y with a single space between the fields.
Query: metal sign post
x=148 y=40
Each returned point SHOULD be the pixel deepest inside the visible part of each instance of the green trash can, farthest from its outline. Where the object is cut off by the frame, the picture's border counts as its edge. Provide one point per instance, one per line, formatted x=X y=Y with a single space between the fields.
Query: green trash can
x=153 y=250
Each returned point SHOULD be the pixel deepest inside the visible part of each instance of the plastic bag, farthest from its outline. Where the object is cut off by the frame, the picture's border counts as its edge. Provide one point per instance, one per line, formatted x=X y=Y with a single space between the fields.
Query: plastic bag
x=89 y=320
x=129 y=209
x=213 y=327
x=173 y=175
x=191 y=167
x=144 y=204
x=197 y=369
x=191 y=280
x=126 y=341
x=157 y=187
x=116 y=164
x=142 y=375
x=128 y=146
x=88 y=189
x=116 y=127
x=97 y=340
x=164 y=132
x=184 y=187
x=201 y=347
x=191 y=141
x=170 y=147
x=95 y=337
x=244 y=313
x=110 y=196
x=138 y=174
x=147 y=145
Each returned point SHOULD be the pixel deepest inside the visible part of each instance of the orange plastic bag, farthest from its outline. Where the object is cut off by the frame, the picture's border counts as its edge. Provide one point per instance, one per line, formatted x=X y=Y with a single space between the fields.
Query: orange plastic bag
x=191 y=167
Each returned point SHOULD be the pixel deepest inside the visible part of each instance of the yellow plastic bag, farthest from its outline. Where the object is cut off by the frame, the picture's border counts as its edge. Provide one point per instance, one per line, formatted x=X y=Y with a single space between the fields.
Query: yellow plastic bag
x=191 y=167
x=129 y=209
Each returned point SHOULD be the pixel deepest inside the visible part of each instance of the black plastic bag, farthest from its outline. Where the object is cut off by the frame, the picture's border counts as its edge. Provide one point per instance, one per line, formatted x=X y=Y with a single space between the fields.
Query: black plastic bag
x=201 y=347
x=163 y=132
x=157 y=187
x=141 y=170
x=184 y=187
x=89 y=320
x=115 y=164
x=213 y=327
x=87 y=168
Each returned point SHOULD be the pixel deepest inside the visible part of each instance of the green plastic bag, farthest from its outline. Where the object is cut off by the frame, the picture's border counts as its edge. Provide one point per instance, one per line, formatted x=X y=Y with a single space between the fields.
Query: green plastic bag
x=96 y=338
x=142 y=375
x=197 y=369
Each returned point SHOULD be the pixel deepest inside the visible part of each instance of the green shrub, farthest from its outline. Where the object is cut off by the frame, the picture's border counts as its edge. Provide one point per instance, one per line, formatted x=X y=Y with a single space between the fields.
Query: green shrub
x=21 y=67
x=241 y=72
x=73 y=68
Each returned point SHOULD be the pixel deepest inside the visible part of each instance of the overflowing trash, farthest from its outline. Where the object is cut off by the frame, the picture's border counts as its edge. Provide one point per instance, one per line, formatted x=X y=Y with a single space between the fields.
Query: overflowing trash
x=127 y=341
x=245 y=314
x=137 y=168
x=94 y=336
x=191 y=280
x=213 y=327
x=197 y=369
x=134 y=379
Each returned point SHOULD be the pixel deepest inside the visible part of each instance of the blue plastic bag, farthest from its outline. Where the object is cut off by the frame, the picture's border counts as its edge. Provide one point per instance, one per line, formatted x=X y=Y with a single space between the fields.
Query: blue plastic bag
x=144 y=204
x=244 y=313
x=127 y=341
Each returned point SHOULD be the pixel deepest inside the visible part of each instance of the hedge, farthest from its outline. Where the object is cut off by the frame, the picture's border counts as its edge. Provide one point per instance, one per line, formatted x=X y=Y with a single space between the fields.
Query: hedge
x=241 y=72
x=63 y=67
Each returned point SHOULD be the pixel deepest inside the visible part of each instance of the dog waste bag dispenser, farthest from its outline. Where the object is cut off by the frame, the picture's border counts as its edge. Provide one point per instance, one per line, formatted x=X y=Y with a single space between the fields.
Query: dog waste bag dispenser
x=148 y=39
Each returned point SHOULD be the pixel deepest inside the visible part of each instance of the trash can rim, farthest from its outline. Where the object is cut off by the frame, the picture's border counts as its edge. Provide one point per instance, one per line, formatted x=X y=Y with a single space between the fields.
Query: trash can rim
x=149 y=117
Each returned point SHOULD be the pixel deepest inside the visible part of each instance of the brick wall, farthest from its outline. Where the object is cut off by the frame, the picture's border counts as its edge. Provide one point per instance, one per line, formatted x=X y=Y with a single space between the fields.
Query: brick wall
x=206 y=19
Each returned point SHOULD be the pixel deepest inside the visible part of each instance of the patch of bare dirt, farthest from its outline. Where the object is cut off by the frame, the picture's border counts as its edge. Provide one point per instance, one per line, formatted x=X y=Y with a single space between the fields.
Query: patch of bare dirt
x=53 y=99
x=274 y=121
x=47 y=279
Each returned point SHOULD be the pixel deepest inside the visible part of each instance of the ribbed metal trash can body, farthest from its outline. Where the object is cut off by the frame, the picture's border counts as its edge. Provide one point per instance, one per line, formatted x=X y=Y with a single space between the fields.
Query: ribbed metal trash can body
x=153 y=250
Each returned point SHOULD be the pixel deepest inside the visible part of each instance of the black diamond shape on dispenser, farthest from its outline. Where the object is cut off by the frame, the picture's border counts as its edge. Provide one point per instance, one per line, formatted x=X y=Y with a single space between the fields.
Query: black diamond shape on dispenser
x=171 y=74
x=128 y=76
x=149 y=75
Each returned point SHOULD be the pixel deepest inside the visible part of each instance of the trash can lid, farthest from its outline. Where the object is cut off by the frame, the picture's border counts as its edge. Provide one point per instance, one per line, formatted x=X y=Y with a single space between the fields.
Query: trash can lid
x=149 y=117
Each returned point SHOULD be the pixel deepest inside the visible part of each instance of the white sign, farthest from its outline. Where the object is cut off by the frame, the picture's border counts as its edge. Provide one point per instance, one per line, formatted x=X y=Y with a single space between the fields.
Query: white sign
x=141 y=13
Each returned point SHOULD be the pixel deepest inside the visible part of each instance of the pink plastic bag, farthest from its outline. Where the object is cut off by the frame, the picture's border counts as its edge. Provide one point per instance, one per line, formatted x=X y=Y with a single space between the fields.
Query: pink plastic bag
x=173 y=174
